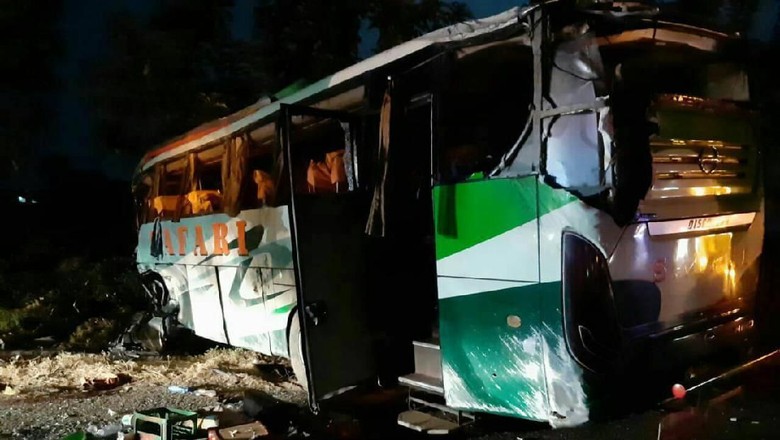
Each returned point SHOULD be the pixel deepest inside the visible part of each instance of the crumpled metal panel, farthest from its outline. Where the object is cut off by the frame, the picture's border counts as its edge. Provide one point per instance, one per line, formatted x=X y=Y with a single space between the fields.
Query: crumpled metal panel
x=488 y=364
x=568 y=403
x=254 y=276
x=573 y=157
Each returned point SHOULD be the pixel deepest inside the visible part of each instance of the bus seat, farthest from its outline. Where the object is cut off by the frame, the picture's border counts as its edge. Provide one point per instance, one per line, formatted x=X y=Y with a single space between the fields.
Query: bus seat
x=265 y=186
x=165 y=206
x=204 y=201
x=335 y=162
x=318 y=177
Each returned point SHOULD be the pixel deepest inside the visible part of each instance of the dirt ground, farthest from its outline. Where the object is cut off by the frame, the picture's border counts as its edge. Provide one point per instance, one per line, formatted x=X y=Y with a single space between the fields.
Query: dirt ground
x=45 y=398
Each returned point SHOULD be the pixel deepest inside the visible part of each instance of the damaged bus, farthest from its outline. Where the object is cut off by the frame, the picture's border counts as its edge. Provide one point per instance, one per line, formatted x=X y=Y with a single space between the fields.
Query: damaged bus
x=516 y=215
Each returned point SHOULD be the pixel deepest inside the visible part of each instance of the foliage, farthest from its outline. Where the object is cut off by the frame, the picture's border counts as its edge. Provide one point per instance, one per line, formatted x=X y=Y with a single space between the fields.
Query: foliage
x=170 y=73
x=94 y=299
x=401 y=20
x=307 y=39
x=182 y=67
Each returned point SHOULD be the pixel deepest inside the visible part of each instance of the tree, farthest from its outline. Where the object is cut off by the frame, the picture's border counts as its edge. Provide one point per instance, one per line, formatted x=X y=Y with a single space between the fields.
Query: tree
x=307 y=39
x=401 y=20
x=170 y=74
x=725 y=15
x=29 y=51
x=182 y=67
x=310 y=39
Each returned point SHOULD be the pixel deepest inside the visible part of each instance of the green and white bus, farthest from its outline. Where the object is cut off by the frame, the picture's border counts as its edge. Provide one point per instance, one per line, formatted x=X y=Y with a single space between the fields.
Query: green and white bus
x=512 y=215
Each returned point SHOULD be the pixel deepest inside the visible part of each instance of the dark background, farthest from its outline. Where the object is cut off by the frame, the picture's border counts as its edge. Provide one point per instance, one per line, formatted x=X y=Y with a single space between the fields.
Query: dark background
x=88 y=86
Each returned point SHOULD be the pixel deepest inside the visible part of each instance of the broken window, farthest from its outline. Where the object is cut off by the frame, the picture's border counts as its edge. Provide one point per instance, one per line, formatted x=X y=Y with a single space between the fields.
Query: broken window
x=574 y=147
x=204 y=192
x=596 y=119
x=323 y=147
x=483 y=111
x=168 y=199
x=262 y=177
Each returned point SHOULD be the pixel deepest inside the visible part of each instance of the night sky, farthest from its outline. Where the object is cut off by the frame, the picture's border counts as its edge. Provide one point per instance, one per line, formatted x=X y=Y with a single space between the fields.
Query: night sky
x=84 y=34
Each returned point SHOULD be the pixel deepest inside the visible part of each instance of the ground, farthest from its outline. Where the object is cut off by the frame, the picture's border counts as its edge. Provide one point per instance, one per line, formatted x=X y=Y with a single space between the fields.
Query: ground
x=47 y=401
x=44 y=397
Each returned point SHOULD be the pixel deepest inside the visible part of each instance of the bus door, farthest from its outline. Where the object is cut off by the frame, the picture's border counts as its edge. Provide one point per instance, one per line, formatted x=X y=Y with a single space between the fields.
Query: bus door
x=328 y=214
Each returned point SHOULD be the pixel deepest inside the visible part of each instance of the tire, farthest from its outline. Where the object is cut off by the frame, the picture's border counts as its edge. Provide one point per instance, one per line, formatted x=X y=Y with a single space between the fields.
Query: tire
x=295 y=347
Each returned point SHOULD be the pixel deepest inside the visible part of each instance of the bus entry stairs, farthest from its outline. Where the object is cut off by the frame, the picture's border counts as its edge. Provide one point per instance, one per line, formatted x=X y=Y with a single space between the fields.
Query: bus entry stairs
x=427 y=412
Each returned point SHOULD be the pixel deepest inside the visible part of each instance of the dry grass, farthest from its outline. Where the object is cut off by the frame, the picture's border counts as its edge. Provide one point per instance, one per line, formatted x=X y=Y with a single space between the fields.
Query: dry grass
x=220 y=369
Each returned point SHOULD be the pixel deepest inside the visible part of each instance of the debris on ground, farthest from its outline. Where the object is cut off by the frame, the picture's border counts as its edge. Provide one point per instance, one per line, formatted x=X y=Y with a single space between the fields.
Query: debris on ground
x=277 y=415
x=66 y=371
x=178 y=389
x=108 y=383
x=107 y=431
x=8 y=390
x=168 y=423
x=50 y=403
x=204 y=392
x=247 y=431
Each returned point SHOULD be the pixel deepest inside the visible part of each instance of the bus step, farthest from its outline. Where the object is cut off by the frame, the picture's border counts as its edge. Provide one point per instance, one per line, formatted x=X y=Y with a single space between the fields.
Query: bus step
x=426 y=423
x=423 y=382
x=427 y=359
x=433 y=418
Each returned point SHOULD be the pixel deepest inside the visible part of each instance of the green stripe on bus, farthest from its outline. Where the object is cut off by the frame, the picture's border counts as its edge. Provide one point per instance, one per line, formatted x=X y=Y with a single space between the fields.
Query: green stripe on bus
x=283 y=309
x=469 y=213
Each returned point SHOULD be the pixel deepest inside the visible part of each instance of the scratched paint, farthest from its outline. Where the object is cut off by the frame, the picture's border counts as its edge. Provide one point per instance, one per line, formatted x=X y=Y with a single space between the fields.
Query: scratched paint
x=513 y=267
x=231 y=277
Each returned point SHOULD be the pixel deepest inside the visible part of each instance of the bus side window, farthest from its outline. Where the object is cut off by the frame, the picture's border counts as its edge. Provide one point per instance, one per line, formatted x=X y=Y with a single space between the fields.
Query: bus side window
x=259 y=183
x=483 y=110
x=168 y=199
x=206 y=198
x=321 y=167
x=205 y=194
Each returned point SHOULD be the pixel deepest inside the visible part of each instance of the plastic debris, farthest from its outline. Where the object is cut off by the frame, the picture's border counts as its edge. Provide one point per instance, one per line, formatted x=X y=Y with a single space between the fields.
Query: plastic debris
x=733 y=419
x=207 y=422
x=178 y=389
x=205 y=393
x=107 y=431
x=111 y=412
x=10 y=391
x=127 y=420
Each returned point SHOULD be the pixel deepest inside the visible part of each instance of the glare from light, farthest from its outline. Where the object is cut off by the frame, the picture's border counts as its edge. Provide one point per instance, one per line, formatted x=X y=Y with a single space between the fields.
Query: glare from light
x=702 y=262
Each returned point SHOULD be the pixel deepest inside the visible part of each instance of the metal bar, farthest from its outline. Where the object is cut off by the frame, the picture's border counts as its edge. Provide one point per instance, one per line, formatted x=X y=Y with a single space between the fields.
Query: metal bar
x=537 y=34
x=285 y=117
x=300 y=110
x=574 y=109
x=736 y=370
x=729 y=373
x=442 y=408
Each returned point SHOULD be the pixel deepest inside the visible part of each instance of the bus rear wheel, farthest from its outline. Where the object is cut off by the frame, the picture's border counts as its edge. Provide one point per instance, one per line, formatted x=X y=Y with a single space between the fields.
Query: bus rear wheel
x=295 y=346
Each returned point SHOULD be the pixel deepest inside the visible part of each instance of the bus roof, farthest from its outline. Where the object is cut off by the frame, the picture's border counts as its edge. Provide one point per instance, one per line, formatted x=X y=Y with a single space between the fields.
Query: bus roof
x=264 y=109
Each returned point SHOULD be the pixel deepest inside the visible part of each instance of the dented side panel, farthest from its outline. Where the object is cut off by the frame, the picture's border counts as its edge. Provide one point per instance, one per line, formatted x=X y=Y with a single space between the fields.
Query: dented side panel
x=567 y=389
x=231 y=277
x=502 y=344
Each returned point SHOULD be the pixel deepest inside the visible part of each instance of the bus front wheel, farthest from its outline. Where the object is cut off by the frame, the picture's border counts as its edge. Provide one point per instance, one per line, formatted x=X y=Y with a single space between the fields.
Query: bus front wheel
x=295 y=346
